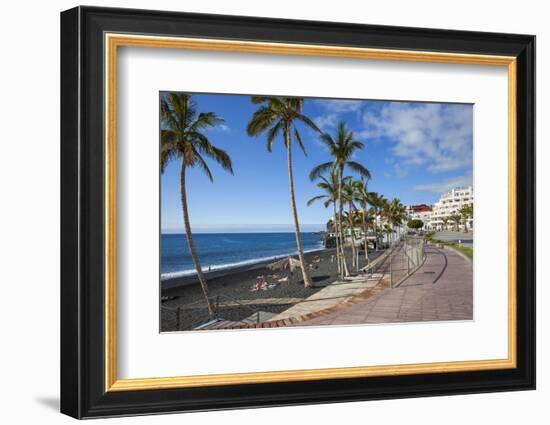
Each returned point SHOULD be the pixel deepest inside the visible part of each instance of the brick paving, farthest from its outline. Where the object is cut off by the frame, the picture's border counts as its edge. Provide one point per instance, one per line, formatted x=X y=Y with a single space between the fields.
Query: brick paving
x=442 y=289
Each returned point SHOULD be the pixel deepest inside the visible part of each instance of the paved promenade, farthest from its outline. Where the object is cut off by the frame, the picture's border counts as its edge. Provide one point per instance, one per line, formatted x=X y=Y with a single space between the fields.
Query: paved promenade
x=441 y=289
x=330 y=296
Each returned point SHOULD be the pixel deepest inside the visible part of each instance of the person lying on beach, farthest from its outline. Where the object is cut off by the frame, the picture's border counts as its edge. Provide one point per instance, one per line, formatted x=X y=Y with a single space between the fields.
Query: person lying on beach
x=263 y=285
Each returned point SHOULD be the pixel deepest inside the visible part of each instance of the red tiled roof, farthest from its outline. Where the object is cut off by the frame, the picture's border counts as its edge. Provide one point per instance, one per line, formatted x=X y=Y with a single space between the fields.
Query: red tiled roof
x=421 y=208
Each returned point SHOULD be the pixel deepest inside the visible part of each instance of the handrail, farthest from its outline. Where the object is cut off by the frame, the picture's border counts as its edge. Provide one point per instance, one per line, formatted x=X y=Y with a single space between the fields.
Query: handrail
x=215 y=300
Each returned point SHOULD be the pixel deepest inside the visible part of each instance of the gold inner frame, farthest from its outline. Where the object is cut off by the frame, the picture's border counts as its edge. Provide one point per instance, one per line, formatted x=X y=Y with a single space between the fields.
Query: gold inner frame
x=113 y=41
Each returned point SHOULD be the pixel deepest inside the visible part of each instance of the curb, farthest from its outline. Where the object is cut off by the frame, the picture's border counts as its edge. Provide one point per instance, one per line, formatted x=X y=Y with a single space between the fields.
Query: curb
x=292 y=321
x=471 y=260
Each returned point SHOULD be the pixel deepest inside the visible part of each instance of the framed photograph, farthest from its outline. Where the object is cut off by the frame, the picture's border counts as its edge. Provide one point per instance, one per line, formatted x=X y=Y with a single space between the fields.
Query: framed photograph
x=261 y=212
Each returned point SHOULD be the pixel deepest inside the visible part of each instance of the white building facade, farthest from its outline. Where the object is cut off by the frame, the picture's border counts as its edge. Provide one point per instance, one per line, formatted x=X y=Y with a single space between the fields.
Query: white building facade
x=421 y=212
x=450 y=203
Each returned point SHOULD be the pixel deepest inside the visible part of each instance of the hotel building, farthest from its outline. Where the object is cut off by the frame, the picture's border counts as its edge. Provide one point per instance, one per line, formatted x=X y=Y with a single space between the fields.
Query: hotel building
x=421 y=212
x=450 y=203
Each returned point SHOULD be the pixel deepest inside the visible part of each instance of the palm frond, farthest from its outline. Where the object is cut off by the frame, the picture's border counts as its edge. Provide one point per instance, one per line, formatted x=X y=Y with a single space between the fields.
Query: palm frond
x=167 y=116
x=308 y=122
x=320 y=169
x=299 y=141
x=316 y=198
x=272 y=134
x=327 y=140
x=168 y=137
x=168 y=153
x=261 y=120
x=206 y=120
x=358 y=168
x=204 y=166
x=203 y=145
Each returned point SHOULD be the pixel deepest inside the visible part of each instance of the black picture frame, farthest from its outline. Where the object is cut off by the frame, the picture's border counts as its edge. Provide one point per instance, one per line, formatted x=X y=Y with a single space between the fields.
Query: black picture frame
x=82 y=219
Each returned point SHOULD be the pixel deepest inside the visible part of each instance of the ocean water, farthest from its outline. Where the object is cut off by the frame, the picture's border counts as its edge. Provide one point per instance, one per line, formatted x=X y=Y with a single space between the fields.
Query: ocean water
x=227 y=250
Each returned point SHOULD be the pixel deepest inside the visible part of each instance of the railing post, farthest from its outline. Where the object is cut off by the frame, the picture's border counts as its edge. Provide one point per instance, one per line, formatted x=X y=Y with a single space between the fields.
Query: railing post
x=391 y=275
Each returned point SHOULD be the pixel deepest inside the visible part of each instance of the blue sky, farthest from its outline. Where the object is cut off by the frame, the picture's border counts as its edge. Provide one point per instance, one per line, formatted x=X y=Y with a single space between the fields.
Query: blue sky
x=414 y=151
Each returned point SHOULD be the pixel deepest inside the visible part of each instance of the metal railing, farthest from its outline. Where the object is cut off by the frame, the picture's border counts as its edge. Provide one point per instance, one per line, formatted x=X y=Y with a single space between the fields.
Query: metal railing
x=406 y=260
x=194 y=314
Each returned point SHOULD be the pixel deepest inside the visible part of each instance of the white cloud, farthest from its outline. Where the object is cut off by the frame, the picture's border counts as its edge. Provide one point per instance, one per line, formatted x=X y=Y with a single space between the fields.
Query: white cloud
x=326 y=122
x=435 y=136
x=338 y=106
x=445 y=185
x=334 y=109
x=223 y=128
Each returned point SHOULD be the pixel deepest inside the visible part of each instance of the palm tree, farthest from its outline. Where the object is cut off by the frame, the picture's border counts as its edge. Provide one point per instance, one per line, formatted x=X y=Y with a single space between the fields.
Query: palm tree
x=467 y=212
x=182 y=138
x=378 y=202
x=342 y=148
x=276 y=115
x=388 y=231
x=385 y=214
x=456 y=218
x=396 y=212
x=445 y=220
x=363 y=197
x=330 y=187
x=350 y=195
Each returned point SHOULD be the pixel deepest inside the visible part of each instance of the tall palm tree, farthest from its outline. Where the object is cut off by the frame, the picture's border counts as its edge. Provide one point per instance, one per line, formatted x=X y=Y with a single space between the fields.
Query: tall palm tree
x=342 y=147
x=445 y=220
x=378 y=202
x=182 y=138
x=384 y=207
x=330 y=188
x=348 y=195
x=279 y=115
x=363 y=197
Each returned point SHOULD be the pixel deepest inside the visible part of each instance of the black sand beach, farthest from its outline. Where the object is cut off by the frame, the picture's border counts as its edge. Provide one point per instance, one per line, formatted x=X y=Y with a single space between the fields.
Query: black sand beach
x=242 y=292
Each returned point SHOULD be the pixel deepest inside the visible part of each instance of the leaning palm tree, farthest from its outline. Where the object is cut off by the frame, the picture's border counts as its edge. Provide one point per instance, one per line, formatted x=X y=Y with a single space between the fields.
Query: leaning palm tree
x=342 y=148
x=182 y=139
x=280 y=115
x=330 y=196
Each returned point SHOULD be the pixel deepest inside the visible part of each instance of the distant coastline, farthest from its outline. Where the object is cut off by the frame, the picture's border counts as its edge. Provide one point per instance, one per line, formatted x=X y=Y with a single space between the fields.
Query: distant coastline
x=234 y=272
x=223 y=252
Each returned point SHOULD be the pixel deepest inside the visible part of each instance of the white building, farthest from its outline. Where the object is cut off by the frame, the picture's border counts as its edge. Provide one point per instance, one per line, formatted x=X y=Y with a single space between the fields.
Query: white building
x=421 y=212
x=450 y=203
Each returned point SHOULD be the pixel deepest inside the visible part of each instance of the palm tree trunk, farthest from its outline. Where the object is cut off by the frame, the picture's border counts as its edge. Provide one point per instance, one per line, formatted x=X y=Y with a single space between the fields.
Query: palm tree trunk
x=366 y=241
x=376 y=227
x=305 y=272
x=354 y=264
x=345 y=271
x=336 y=239
x=191 y=244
